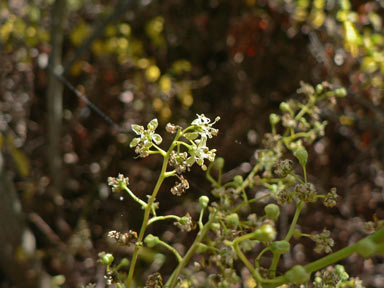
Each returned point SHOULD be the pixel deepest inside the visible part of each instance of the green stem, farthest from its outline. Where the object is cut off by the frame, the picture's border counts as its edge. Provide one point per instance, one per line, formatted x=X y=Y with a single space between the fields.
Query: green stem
x=160 y=218
x=173 y=250
x=377 y=237
x=276 y=256
x=147 y=212
x=172 y=281
x=134 y=197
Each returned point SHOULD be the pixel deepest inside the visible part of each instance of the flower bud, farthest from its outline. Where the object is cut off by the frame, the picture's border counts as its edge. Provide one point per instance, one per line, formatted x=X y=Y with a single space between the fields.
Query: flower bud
x=302 y=156
x=272 y=211
x=107 y=259
x=366 y=247
x=297 y=275
x=238 y=179
x=280 y=247
x=319 y=88
x=151 y=240
x=215 y=226
x=274 y=119
x=341 y=92
x=219 y=163
x=203 y=200
x=232 y=220
x=124 y=262
x=284 y=106
x=265 y=233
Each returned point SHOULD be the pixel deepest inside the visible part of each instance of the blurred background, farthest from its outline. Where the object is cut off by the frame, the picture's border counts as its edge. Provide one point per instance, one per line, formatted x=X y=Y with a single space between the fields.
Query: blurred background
x=170 y=59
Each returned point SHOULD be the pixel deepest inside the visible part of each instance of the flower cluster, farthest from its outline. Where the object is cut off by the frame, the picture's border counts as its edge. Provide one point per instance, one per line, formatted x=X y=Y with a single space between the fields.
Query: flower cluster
x=185 y=223
x=285 y=196
x=323 y=241
x=199 y=151
x=331 y=198
x=147 y=138
x=203 y=126
x=178 y=161
x=180 y=187
x=282 y=168
x=154 y=280
x=118 y=183
x=123 y=238
x=306 y=192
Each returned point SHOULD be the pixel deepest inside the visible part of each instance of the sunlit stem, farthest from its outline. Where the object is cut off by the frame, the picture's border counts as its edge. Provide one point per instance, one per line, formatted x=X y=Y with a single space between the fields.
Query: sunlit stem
x=160 y=218
x=276 y=256
x=170 y=248
x=134 y=197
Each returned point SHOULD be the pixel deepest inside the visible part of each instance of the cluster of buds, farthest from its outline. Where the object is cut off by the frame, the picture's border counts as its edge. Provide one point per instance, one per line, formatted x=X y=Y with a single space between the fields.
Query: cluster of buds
x=331 y=198
x=154 y=280
x=306 y=192
x=118 y=183
x=172 y=128
x=285 y=197
x=123 y=239
x=282 y=168
x=323 y=241
x=178 y=161
x=180 y=187
x=185 y=223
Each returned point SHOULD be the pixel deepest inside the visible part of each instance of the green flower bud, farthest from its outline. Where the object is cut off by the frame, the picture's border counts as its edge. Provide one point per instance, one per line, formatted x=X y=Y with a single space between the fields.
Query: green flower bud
x=232 y=220
x=319 y=88
x=124 y=262
x=341 y=92
x=265 y=233
x=366 y=248
x=340 y=271
x=151 y=240
x=280 y=247
x=297 y=275
x=274 y=119
x=302 y=156
x=272 y=211
x=284 y=106
x=215 y=226
x=203 y=200
x=238 y=179
x=219 y=163
x=107 y=259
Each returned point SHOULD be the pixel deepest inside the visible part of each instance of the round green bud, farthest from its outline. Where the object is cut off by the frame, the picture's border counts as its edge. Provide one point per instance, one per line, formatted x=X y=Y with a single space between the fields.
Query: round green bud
x=151 y=240
x=265 y=233
x=297 y=275
x=215 y=226
x=272 y=211
x=124 y=262
x=232 y=220
x=319 y=88
x=203 y=200
x=284 y=106
x=340 y=271
x=341 y=92
x=107 y=259
x=219 y=163
x=366 y=248
x=302 y=156
x=274 y=119
x=238 y=179
x=280 y=247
